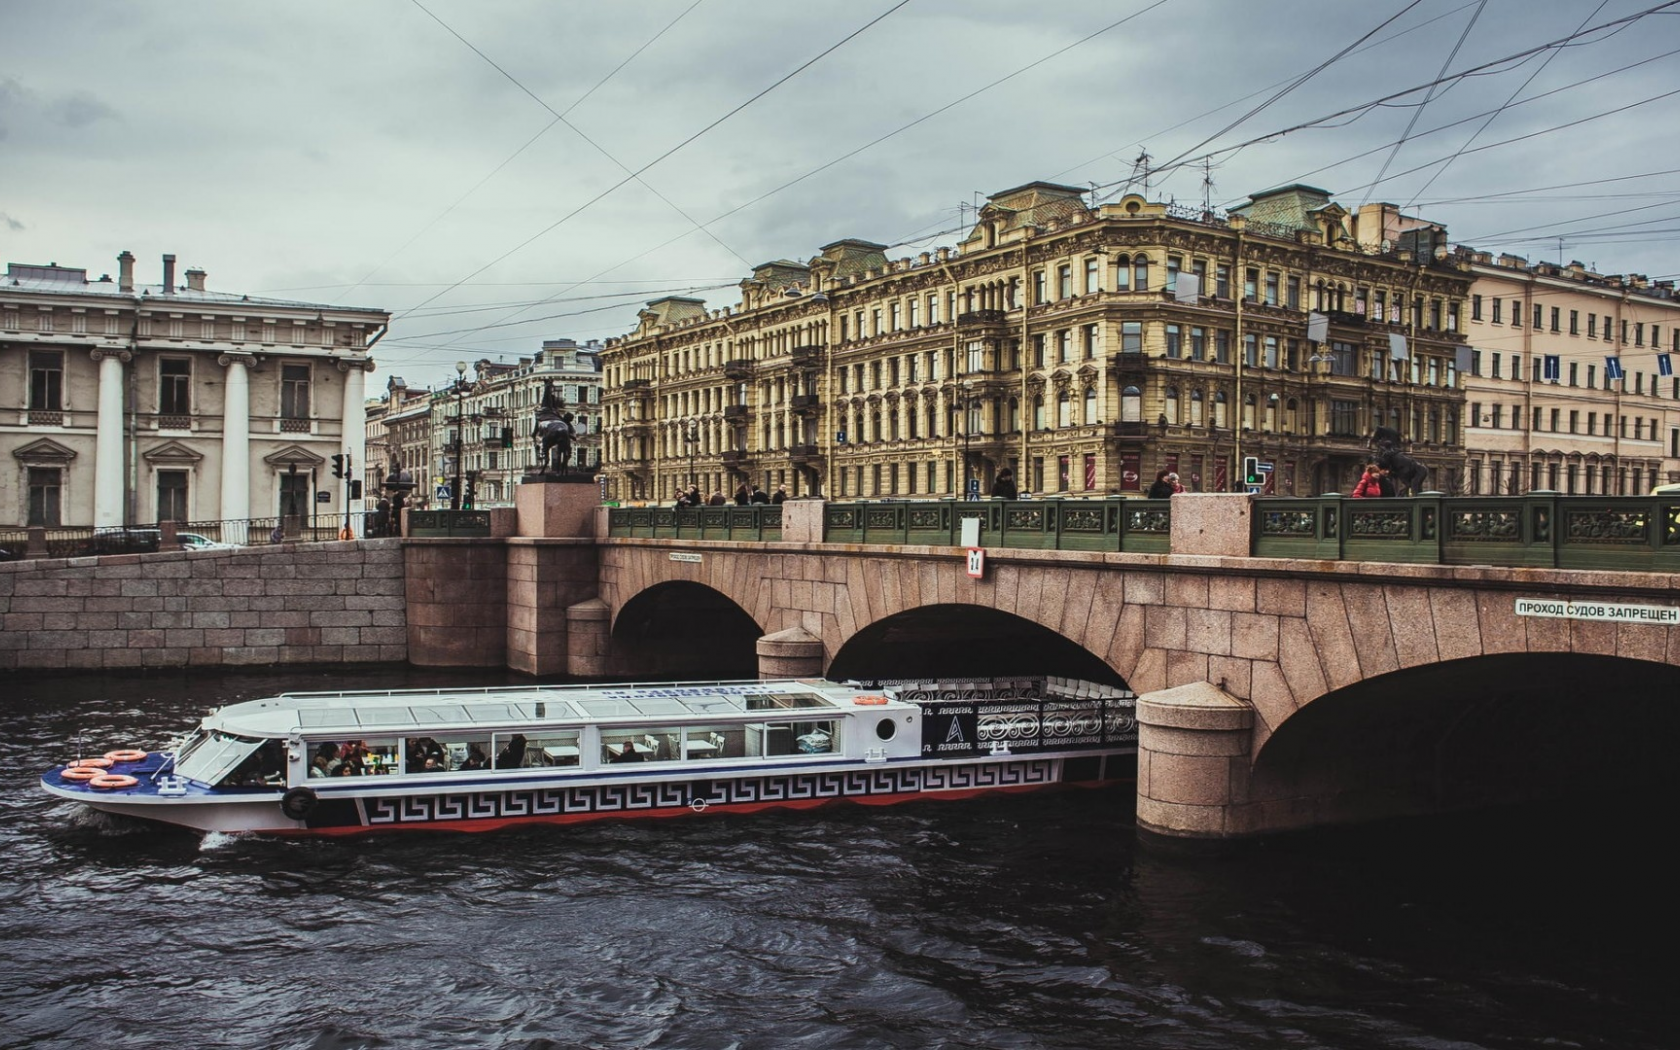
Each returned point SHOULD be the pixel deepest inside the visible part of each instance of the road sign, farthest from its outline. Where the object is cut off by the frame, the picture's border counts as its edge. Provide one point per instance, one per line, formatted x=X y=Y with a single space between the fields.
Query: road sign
x=441 y=493
x=973 y=491
x=977 y=562
x=323 y=496
x=1265 y=467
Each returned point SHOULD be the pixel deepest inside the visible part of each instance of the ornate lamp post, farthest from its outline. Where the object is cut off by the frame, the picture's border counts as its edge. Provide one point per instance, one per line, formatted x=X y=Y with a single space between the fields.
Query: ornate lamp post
x=460 y=422
x=691 y=438
x=967 y=426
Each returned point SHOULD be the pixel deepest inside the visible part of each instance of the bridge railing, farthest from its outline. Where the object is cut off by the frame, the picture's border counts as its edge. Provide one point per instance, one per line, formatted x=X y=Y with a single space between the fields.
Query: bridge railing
x=755 y=521
x=1139 y=526
x=1543 y=530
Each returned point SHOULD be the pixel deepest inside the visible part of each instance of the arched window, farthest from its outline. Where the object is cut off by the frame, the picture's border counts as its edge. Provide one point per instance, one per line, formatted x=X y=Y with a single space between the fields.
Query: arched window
x=1090 y=406
x=1197 y=407
x=1248 y=412
x=1140 y=273
x=1219 y=418
x=1172 y=406
x=1064 y=409
x=1123 y=273
x=1131 y=404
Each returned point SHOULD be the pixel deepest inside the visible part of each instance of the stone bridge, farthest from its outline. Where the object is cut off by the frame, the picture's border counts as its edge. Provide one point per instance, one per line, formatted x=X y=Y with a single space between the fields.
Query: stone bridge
x=1274 y=694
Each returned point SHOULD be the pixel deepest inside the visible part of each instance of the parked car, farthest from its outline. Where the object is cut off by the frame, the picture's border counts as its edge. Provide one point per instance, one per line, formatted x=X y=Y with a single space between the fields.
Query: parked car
x=195 y=542
x=147 y=541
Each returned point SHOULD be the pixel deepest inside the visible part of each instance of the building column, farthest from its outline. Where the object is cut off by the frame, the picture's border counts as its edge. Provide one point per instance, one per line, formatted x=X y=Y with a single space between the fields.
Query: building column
x=236 y=438
x=355 y=430
x=108 y=444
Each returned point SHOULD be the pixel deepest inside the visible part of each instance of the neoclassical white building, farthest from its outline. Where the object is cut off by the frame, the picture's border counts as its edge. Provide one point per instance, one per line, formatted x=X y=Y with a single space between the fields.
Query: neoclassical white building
x=131 y=404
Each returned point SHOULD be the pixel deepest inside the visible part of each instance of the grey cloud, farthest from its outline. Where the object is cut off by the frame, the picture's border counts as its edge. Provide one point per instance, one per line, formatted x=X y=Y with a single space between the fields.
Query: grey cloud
x=10 y=223
x=78 y=110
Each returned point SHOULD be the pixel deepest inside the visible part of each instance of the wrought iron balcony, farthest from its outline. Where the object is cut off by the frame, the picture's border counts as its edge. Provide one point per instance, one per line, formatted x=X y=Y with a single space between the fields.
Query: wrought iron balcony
x=807 y=356
x=979 y=317
x=805 y=402
x=740 y=368
x=736 y=457
x=804 y=453
x=637 y=386
x=735 y=411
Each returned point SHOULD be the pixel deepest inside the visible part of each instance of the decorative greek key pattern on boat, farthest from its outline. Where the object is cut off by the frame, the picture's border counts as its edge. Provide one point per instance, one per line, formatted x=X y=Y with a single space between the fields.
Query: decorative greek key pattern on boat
x=1606 y=526
x=629 y=799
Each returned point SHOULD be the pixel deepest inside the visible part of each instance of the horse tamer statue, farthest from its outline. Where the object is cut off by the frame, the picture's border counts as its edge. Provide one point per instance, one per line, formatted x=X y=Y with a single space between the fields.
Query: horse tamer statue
x=1407 y=473
x=553 y=433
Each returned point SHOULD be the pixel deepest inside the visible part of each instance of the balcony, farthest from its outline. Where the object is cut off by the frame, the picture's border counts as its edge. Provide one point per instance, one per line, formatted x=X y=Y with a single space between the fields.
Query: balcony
x=804 y=454
x=736 y=458
x=805 y=403
x=807 y=356
x=738 y=412
x=637 y=386
x=740 y=368
x=979 y=317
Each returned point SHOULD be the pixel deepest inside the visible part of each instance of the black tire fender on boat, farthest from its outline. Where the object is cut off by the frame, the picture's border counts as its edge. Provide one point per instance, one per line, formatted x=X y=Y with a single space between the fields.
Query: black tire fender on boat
x=297 y=803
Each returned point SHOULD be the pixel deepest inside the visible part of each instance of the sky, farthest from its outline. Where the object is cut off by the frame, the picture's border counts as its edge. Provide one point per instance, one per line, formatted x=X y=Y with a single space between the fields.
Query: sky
x=499 y=172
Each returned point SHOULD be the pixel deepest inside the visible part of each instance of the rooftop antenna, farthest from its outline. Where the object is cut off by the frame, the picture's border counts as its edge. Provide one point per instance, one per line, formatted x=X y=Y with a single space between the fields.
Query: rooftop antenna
x=1140 y=169
x=1207 y=187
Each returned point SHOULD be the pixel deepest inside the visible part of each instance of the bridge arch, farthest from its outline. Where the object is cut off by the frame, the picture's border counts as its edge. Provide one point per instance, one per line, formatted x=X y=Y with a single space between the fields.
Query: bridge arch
x=1472 y=733
x=954 y=639
x=688 y=629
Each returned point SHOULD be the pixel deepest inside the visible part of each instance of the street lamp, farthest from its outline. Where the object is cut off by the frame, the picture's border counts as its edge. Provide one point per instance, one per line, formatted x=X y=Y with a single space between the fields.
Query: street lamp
x=967 y=425
x=460 y=422
x=691 y=438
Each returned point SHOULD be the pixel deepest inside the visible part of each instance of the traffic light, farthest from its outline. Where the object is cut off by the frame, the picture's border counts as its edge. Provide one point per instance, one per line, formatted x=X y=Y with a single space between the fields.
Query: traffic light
x=467 y=494
x=338 y=465
x=1251 y=471
x=507 y=437
x=356 y=489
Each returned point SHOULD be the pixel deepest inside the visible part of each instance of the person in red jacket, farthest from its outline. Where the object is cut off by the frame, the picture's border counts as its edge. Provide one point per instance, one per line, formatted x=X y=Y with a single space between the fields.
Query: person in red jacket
x=1370 y=483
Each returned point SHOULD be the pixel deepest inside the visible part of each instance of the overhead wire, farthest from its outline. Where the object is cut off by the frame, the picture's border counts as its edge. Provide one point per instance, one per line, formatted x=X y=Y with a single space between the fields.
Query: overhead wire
x=516 y=153
x=579 y=132
x=1512 y=97
x=1430 y=94
x=674 y=149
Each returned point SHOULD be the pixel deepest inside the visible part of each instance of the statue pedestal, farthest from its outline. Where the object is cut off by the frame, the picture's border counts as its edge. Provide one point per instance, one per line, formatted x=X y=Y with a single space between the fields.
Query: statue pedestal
x=557 y=506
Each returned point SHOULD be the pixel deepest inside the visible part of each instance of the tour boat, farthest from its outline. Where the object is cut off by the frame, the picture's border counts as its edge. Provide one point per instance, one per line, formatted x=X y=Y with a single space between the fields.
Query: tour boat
x=343 y=763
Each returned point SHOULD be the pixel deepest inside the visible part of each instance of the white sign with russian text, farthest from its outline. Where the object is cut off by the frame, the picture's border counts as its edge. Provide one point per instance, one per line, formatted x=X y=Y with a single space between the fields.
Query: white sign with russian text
x=682 y=556
x=1612 y=612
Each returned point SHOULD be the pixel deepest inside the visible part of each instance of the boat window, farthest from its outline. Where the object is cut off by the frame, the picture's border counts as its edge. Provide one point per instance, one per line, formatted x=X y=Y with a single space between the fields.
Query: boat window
x=321 y=717
x=188 y=744
x=215 y=757
x=447 y=751
x=441 y=713
x=355 y=758
x=386 y=716
x=798 y=738
x=656 y=744
x=785 y=701
x=553 y=748
x=708 y=742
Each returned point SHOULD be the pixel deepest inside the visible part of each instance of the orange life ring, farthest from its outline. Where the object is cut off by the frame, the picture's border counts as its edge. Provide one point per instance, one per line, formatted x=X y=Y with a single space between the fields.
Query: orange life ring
x=869 y=701
x=112 y=781
x=81 y=773
x=130 y=754
x=90 y=763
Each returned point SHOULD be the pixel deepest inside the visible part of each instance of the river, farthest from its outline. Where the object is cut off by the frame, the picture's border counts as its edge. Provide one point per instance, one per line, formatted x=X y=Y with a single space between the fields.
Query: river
x=1022 y=922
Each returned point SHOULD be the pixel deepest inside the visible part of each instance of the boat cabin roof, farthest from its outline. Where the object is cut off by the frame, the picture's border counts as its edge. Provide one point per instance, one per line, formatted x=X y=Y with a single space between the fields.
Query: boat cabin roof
x=401 y=712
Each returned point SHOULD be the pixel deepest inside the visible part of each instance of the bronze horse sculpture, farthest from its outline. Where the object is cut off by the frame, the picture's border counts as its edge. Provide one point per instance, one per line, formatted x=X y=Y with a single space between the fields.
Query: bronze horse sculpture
x=553 y=436
x=1407 y=473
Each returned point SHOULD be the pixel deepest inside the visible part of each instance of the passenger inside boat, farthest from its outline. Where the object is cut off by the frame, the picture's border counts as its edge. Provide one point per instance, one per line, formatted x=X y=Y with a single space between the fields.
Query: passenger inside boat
x=628 y=754
x=512 y=756
x=325 y=760
x=424 y=755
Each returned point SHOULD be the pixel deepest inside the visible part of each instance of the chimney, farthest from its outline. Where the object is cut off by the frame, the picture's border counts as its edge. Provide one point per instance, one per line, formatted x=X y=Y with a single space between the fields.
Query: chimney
x=168 y=274
x=195 y=280
x=125 y=272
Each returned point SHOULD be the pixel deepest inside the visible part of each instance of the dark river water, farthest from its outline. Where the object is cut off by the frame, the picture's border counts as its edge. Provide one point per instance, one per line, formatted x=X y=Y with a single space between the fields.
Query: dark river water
x=1025 y=922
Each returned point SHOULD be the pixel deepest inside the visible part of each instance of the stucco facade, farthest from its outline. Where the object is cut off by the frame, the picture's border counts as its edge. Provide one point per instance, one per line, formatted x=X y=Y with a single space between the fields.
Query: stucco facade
x=129 y=404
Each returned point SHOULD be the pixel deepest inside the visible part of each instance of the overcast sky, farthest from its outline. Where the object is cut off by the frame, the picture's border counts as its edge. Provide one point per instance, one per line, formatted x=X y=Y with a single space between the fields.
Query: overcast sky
x=406 y=154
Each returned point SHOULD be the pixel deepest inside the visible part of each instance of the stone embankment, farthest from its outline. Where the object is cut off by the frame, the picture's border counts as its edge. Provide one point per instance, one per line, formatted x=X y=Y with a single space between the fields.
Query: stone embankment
x=309 y=603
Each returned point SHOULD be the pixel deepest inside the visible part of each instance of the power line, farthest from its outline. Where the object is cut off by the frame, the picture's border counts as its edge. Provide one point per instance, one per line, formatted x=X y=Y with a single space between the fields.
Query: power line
x=685 y=142
x=516 y=153
x=580 y=133
x=1418 y=112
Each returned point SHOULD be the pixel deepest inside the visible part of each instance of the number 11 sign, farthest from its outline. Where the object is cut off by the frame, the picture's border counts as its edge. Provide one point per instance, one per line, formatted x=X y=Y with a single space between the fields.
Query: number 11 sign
x=976 y=562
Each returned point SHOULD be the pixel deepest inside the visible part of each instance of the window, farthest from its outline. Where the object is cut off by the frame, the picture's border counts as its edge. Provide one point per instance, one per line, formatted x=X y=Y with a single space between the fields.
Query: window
x=1064 y=346
x=1271 y=358
x=1064 y=281
x=1556 y=319
x=1344 y=359
x=1292 y=290
x=1090 y=341
x=174 y=387
x=893 y=316
x=911 y=308
x=46 y=496
x=1251 y=350
x=1574 y=322
x=1498 y=416
x=1222 y=347
x=1251 y=283
x=1271 y=289
x=1498 y=309
x=1222 y=281
x=1174 y=264
x=1198 y=344
x=1064 y=410
x=46 y=380
x=1475 y=308
x=294 y=391
x=1174 y=348
x=1344 y=418
x=1172 y=405
x=1093 y=278
x=1140 y=273
x=172 y=495
x=1592 y=326
x=1039 y=288
x=1123 y=272
x=1131 y=337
